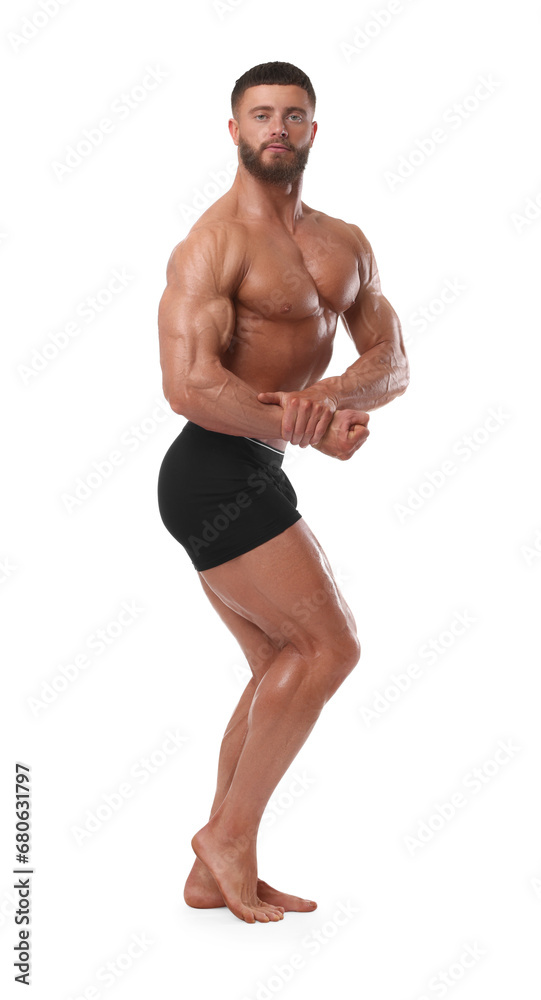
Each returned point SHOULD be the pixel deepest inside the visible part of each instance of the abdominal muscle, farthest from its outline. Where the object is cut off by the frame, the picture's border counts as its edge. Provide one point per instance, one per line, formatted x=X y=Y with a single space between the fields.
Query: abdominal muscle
x=285 y=370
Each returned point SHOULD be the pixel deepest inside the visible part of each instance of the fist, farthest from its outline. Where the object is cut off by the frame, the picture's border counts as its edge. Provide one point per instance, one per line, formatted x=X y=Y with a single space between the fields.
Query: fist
x=347 y=431
x=307 y=413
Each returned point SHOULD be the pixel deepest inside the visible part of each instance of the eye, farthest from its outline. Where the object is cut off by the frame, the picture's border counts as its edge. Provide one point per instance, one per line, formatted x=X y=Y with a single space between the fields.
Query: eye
x=261 y=115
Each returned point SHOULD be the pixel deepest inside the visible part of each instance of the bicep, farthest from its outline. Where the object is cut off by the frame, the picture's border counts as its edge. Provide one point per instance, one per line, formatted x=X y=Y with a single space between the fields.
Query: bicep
x=371 y=319
x=196 y=317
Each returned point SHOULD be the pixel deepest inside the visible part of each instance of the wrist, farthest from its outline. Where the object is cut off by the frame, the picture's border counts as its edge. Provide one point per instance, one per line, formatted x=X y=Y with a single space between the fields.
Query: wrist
x=347 y=389
x=334 y=389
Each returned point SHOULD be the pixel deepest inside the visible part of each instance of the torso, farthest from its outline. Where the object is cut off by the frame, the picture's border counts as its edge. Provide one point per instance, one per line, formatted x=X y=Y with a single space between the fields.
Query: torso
x=293 y=287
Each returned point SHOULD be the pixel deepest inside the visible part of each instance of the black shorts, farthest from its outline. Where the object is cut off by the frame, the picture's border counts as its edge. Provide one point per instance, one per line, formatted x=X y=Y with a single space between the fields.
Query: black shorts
x=221 y=495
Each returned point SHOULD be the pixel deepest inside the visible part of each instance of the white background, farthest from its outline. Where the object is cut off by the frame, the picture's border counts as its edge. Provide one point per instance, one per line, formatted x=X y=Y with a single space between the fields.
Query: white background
x=407 y=566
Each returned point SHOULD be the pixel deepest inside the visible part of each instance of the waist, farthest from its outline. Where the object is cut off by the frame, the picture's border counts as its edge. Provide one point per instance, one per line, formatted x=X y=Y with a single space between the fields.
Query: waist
x=269 y=443
x=218 y=441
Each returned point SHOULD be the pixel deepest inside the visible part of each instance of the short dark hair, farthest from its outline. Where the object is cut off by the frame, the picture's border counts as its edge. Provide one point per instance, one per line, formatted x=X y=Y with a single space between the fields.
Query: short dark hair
x=271 y=73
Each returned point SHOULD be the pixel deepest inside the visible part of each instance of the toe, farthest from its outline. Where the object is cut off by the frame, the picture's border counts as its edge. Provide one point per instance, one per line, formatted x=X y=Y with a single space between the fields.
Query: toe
x=307 y=904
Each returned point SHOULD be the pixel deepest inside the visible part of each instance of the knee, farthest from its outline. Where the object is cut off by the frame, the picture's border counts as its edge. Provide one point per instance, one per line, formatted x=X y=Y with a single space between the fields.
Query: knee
x=342 y=654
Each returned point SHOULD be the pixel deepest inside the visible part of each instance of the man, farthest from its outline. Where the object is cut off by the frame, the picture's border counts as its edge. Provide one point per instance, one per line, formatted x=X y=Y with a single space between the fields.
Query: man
x=246 y=325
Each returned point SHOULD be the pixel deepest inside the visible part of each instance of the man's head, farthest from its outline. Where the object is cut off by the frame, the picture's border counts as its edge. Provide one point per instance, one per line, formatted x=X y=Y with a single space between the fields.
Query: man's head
x=273 y=104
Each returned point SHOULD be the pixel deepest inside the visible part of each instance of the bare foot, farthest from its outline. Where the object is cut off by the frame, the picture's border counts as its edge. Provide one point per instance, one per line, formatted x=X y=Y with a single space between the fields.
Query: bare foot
x=232 y=863
x=202 y=891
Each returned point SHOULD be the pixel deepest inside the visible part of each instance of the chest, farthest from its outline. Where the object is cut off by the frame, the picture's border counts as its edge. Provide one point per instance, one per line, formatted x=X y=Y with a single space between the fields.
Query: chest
x=298 y=278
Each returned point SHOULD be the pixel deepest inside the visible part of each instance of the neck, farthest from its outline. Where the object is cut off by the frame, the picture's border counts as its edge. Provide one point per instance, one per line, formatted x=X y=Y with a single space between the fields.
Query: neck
x=272 y=202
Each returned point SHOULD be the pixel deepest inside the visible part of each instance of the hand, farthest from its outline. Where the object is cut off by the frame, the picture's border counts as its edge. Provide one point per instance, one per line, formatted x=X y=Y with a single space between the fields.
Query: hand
x=307 y=413
x=345 y=434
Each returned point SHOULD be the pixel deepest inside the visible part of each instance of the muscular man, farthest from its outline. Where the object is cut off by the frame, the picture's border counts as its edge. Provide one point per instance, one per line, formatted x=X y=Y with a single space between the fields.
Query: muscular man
x=246 y=326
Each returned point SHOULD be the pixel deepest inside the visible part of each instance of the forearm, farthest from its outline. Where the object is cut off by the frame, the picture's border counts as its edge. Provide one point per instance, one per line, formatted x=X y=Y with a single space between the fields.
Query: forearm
x=373 y=380
x=218 y=400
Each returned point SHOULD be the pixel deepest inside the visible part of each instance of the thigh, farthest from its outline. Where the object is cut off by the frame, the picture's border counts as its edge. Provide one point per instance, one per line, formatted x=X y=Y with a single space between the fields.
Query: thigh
x=286 y=588
x=258 y=648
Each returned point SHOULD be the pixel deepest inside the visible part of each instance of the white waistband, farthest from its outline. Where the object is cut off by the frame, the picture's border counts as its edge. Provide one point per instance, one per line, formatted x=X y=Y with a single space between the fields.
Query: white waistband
x=263 y=445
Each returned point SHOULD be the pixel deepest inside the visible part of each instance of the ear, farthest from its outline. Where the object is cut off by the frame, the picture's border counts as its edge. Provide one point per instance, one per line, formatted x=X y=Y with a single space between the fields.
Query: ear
x=234 y=130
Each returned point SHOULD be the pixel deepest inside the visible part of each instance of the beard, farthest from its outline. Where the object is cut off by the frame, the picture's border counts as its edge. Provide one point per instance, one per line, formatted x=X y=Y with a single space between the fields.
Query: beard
x=278 y=169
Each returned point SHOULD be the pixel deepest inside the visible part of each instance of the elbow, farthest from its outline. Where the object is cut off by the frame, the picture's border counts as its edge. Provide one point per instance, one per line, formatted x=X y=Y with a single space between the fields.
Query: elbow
x=400 y=383
x=180 y=404
x=402 y=362
x=193 y=394
x=177 y=398
x=404 y=380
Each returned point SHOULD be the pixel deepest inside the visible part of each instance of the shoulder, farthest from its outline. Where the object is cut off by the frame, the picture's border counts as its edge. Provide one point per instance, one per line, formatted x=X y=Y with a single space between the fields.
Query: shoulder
x=208 y=236
x=348 y=232
x=215 y=246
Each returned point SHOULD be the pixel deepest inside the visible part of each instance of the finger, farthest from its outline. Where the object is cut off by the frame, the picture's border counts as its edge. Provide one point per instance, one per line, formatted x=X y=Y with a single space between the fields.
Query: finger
x=358 y=441
x=318 y=409
x=303 y=411
x=269 y=397
x=358 y=417
x=289 y=419
x=322 y=422
x=308 y=415
x=345 y=434
x=355 y=437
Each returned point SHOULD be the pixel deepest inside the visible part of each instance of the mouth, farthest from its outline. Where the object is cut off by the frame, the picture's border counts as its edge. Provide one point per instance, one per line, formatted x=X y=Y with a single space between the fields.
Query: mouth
x=278 y=147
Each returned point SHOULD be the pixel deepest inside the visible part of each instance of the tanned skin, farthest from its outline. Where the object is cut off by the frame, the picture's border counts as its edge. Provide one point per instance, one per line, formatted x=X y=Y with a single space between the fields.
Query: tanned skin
x=247 y=323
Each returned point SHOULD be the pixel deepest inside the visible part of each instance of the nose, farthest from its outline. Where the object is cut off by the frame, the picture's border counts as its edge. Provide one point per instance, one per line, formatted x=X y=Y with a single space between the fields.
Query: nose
x=278 y=128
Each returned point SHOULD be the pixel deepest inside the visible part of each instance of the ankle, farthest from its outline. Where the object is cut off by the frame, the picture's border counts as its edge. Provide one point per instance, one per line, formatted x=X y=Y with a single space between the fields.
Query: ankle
x=233 y=832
